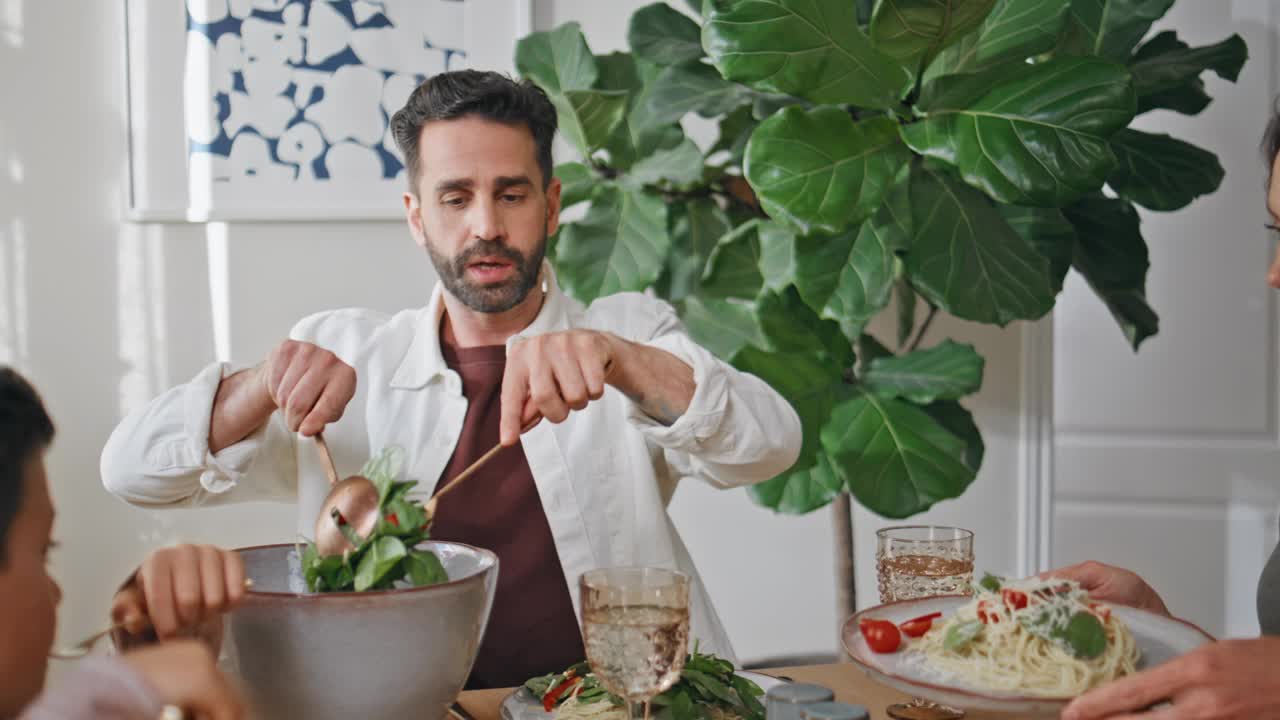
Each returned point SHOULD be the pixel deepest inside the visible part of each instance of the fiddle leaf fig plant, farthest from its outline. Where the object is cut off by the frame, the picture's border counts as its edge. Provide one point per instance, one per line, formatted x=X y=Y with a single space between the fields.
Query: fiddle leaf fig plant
x=873 y=157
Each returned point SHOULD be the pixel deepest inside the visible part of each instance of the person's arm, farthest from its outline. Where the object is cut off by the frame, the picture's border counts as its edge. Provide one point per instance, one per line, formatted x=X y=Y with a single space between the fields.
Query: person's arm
x=202 y=439
x=718 y=423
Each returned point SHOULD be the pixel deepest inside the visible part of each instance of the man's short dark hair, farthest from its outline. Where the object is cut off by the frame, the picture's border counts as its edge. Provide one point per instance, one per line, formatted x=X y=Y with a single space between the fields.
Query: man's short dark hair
x=1271 y=140
x=489 y=95
x=25 y=429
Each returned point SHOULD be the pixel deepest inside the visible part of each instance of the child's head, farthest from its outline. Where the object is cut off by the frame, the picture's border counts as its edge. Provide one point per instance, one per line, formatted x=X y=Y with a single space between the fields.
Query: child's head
x=28 y=596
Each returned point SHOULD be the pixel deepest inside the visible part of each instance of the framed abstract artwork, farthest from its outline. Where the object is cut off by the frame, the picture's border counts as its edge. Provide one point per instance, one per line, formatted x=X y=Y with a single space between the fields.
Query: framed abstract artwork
x=259 y=110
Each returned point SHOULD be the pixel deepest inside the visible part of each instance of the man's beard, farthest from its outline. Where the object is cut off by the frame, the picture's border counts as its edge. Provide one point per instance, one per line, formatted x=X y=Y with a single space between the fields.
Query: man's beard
x=490 y=298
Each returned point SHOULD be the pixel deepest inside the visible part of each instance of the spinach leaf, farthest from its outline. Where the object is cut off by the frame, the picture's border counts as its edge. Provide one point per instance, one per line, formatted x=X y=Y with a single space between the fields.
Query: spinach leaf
x=961 y=634
x=1085 y=636
x=424 y=568
x=991 y=582
x=383 y=556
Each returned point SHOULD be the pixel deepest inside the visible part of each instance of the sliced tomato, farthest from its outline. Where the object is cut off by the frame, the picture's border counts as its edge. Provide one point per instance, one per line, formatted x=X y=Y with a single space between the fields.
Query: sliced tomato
x=554 y=694
x=1014 y=599
x=917 y=627
x=1102 y=612
x=882 y=636
x=391 y=518
x=986 y=614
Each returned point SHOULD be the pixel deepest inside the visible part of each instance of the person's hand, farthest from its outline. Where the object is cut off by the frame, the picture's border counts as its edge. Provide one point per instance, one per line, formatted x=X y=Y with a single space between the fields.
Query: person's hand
x=1230 y=680
x=182 y=590
x=183 y=673
x=310 y=384
x=1112 y=584
x=549 y=375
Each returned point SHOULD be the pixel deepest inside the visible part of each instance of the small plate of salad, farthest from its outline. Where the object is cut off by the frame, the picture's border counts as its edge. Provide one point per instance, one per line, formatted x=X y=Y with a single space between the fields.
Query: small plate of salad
x=709 y=689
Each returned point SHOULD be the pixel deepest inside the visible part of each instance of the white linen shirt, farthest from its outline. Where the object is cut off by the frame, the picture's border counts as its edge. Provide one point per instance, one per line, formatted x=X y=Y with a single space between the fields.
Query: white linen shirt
x=605 y=475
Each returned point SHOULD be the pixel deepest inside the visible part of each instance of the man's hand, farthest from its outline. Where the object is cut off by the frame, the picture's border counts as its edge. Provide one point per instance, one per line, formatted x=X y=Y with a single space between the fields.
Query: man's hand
x=183 y=673
x=1112 y=584
x=310 y=384
x=549 y=375
x=1230 y=680
x=181 y=590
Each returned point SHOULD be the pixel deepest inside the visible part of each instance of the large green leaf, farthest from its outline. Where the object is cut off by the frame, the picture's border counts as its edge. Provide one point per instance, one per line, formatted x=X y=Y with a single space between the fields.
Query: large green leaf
x=557 y=60
x=914 y=31
x=577 y=181
x=1162 y=173
x=679 y=165
x=620 y=245
x=589 y=117
x=725 y=327
x=797 y=492
x=1109 y=28
x=959 y=422
x=809 y=383
x=1112 y=256
x=696 y=226
x=1166 y=71
x=896 y=459
x=663 y=35
x=945 y=372
x=848 y=278
x=617 y=71
x=733 y=269
x=682 y=89
x=1013 y=31
x=1048 y=231
x=820 y=171
x=735 y=131
x=808 y=48
x=1038 y=138
x=792 y=326
x=966 y=259
x=631 y=141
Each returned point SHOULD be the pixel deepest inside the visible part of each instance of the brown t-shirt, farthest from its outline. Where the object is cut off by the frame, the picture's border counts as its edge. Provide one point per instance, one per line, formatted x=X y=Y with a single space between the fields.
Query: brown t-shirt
x=532 y=629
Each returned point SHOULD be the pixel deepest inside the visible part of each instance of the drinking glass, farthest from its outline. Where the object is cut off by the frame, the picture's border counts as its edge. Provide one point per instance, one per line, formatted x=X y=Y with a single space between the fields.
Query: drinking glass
x=635 y=627
x=922 y=561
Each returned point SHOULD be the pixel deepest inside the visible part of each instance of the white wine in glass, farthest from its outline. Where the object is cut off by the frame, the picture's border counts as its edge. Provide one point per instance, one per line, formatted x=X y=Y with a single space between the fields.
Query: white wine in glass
x=635 y=627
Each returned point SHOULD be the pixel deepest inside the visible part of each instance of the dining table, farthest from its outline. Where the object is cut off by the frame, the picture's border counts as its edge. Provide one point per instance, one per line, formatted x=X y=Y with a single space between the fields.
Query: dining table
x=849 y=684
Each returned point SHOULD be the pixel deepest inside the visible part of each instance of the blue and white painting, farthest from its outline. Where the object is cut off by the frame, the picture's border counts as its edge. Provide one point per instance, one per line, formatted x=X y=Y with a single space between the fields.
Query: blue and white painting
x=290 y=101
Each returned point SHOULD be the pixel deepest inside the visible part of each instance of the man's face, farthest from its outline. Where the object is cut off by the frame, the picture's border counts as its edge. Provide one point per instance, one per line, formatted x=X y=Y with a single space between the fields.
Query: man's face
x=28 y=596
x=481 y=211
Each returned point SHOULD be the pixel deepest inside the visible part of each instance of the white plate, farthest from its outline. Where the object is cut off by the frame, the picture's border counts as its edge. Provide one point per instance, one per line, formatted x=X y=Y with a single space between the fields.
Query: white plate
x=522 y=705
x=1159 y=638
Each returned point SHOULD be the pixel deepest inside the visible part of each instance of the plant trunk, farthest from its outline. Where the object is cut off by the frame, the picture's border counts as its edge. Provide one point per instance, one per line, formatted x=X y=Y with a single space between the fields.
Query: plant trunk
x=846 y=586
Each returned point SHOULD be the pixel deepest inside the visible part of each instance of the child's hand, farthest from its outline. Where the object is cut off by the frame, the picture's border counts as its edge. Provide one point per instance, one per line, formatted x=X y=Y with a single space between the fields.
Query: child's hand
x=182 y=590
x=183 y=674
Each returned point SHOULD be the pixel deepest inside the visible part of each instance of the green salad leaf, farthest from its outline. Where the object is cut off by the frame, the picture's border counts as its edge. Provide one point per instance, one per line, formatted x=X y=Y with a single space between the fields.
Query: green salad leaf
x=389 y=557
x=706 y=681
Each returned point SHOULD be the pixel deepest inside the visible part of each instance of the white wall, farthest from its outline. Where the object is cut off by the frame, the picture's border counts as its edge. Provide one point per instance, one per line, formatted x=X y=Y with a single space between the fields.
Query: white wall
x=104 y=314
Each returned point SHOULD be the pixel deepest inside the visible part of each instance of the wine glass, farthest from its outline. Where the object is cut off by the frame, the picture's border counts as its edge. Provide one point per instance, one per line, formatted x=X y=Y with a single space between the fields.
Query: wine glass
x=923 y=561
x=635 y=627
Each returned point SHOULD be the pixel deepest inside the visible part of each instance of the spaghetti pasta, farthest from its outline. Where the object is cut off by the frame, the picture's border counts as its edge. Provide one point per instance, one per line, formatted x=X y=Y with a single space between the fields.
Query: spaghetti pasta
x=1041 y=638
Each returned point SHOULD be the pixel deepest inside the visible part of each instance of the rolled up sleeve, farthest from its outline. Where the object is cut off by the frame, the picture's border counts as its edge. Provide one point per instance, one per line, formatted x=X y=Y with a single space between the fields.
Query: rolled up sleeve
x=736 y=431
x=159 y=454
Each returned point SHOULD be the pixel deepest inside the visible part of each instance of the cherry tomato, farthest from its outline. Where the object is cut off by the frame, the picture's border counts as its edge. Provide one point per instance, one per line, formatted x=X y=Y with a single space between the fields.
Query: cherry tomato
x=882 y=636
x=986 y=615
x=917 y=627
x=391 y=518
x=1014 y=599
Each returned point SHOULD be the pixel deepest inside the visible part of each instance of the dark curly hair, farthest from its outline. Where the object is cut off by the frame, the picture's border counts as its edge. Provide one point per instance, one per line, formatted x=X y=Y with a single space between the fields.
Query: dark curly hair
x=489 y=95
x=25 y=429
x=1271 y=140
